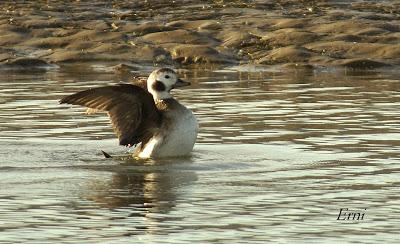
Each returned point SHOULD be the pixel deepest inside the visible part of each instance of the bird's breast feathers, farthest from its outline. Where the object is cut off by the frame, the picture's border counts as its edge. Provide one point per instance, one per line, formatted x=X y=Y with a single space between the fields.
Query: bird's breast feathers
x=176 y=137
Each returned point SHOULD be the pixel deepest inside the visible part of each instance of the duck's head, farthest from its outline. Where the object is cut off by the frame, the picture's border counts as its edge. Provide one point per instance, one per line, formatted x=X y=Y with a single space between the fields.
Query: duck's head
x=162 y=81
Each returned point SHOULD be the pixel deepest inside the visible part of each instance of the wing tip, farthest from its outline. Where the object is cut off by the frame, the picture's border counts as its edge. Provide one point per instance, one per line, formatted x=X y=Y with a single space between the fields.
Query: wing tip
x=64 y=100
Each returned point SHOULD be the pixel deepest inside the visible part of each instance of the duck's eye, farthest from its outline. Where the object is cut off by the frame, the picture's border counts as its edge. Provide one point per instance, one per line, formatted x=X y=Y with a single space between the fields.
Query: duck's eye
x=166 y=77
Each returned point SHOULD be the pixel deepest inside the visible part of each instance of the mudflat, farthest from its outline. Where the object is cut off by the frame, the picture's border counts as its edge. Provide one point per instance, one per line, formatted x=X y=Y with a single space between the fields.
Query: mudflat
x=351 y=34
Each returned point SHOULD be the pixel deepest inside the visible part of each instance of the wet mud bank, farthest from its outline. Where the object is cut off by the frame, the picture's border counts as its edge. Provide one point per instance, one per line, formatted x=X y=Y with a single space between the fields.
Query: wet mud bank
x=349 y=34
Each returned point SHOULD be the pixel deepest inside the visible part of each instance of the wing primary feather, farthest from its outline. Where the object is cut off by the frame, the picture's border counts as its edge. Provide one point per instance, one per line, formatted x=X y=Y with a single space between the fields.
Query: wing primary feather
x=132 y=111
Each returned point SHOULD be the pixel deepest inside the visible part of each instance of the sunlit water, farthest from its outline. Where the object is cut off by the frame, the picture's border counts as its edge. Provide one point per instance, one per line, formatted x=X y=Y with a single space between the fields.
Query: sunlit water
x=277 y=156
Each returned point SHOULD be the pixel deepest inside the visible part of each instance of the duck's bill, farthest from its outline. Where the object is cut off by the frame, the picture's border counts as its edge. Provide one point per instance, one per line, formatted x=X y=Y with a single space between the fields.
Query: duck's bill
x=181 y=83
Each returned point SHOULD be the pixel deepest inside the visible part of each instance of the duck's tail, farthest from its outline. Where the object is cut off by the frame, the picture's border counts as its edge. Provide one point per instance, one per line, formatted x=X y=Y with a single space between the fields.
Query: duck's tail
x=106 y=155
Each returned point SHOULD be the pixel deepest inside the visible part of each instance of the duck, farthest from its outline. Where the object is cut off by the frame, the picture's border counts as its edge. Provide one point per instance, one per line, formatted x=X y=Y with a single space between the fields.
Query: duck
x=145 y=114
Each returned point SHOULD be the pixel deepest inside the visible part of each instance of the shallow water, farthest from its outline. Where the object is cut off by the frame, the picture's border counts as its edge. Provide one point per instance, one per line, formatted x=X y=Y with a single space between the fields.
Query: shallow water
x=277 y=156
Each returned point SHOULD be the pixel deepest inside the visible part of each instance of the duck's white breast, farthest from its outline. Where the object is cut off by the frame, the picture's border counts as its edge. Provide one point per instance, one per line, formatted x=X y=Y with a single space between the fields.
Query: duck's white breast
x=176 y=138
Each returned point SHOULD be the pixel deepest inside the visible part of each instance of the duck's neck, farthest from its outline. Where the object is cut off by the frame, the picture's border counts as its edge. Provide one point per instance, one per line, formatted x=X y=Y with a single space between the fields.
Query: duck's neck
x=161 y=95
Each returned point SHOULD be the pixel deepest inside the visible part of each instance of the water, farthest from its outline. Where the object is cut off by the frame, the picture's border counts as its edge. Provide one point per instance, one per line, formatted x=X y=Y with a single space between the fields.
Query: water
x=277 y=156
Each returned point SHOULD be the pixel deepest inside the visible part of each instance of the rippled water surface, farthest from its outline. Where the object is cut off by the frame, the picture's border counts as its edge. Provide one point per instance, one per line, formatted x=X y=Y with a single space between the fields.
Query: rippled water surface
x=277 y=156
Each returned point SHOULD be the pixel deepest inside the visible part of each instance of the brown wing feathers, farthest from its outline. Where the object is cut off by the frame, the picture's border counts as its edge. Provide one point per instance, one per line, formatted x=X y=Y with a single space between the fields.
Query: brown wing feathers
x=132 y=111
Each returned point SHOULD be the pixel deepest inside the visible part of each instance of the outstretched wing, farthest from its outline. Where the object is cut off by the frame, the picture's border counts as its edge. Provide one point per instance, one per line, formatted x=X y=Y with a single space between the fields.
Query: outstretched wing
x=132 y=110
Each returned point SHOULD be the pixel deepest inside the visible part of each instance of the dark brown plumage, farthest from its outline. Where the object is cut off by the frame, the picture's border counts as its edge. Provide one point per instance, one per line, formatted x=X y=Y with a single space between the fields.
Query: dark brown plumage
x=132 y=110
x=158 y=86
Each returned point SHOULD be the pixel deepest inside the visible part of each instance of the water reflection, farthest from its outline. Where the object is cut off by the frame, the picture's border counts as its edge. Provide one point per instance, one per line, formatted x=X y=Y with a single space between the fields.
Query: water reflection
x=142 y=184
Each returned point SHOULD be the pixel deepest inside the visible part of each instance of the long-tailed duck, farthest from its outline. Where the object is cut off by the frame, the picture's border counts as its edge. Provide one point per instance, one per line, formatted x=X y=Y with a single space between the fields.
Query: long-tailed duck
x=145 y=114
